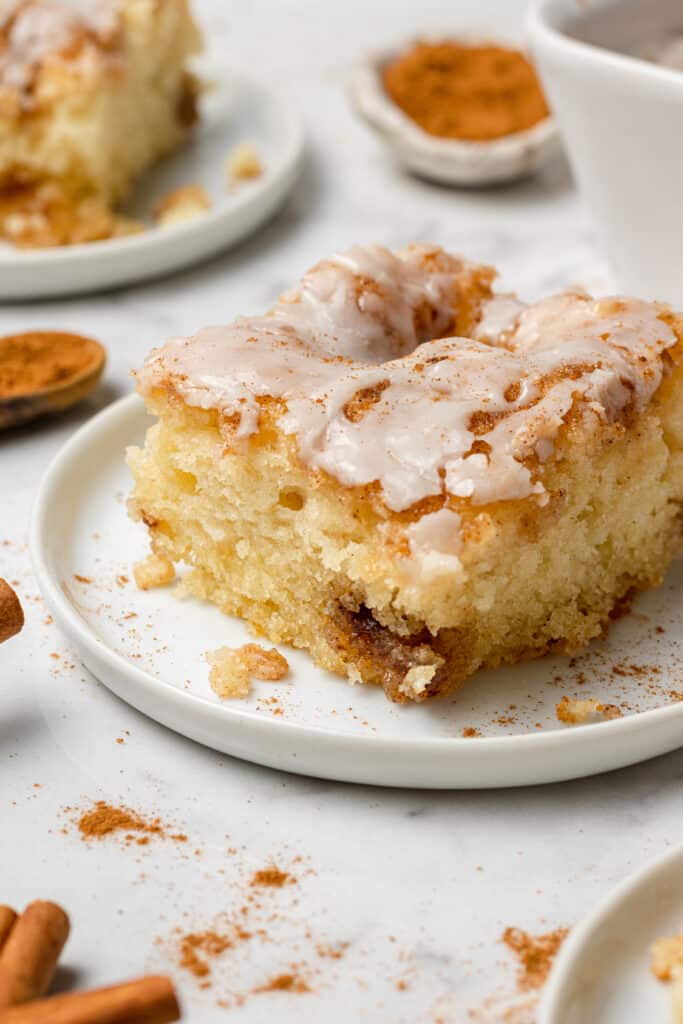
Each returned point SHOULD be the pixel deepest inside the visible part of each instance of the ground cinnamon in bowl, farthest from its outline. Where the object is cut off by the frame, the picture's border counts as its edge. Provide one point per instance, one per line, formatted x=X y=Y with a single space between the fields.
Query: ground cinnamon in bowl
x=472 y=92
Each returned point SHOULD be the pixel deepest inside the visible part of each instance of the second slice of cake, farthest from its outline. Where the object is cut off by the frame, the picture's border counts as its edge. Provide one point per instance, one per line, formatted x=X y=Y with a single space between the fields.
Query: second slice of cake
x=92 y=93
x=412 y=477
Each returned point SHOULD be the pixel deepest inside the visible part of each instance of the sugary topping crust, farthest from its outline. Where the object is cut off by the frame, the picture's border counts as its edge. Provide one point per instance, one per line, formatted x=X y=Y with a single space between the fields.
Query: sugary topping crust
x=378 y=385
x=33 y=31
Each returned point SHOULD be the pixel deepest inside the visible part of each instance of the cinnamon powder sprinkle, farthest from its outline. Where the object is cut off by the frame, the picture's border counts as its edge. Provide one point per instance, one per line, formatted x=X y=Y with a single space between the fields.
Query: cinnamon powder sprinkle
x=210 y=944
x=197 y=950
x=535 y=954
x=272 y=877
x=104 y=820
x=208 y=952
x=284 y=983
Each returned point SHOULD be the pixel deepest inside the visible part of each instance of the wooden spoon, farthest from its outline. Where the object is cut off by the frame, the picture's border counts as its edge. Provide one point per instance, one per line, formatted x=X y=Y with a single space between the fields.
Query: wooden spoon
x=45 y=372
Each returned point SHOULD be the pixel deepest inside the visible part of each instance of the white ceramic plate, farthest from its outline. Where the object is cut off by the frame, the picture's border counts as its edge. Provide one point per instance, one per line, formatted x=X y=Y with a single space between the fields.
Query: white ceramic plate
x=602 y=975
x=319 y=725
x=237 y=109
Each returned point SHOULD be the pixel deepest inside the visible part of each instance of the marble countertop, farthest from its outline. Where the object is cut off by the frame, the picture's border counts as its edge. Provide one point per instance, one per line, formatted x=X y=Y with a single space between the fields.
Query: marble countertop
x=401 y=897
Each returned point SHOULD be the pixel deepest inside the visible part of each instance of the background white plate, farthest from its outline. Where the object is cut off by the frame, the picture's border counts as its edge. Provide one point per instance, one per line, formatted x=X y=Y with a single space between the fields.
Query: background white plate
x=602 y=975
x=237 y=109
x=149 y=649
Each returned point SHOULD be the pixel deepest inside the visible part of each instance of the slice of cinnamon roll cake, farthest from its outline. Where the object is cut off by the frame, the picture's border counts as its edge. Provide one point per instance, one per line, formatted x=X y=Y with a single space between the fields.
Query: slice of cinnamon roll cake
x=412 y=477
x=92 y=93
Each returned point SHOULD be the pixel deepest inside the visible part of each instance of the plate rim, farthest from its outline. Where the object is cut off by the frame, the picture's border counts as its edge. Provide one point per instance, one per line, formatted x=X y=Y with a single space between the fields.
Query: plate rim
x=581 y=934
x=464 y=750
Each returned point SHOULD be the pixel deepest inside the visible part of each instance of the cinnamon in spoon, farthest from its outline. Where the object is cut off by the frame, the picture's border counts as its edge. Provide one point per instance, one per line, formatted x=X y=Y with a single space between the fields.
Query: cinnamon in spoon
x=45 y=371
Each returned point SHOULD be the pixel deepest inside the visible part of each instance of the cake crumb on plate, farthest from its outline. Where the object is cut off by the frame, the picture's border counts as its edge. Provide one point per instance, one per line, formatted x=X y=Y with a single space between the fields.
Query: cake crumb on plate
x=243 y=162
x=573 y=711
x=667 y=957
x=263 y=664
x=181 y=205
x=232 y=668
x=667 y=965
x=153 y=571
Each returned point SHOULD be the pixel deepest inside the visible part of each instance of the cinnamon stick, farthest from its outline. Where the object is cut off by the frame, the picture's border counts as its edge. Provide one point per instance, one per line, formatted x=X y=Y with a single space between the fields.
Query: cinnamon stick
x=7 y=919
x=149 y=1000
x=11 y=614
x=29 y=956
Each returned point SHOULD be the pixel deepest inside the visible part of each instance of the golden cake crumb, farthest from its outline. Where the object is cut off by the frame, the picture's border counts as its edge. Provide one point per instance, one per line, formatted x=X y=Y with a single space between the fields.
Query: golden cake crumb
x=232 y=668
x=153 y=571
x=667 y=965
x=182 y=204
x=244 y=162
x=263 y=664
x=416 y=680
x=229 y=674
x=573 y=711
x=667 y=957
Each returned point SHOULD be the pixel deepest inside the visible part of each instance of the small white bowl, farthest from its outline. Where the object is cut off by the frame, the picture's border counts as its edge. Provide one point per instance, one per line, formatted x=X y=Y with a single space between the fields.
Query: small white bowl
x=450 y=161
x=620 y=117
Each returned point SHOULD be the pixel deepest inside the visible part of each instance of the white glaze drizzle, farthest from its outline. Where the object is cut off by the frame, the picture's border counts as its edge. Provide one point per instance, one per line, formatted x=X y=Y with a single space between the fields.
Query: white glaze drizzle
x=376 y=323
x=38 y=29
x=435 y=544
x=416 y=440
x=499 y=318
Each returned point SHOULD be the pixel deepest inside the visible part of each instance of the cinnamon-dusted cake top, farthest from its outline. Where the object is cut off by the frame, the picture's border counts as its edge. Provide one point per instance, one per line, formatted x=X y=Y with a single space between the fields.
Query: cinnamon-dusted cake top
x=379 y=385
x=33 y=31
